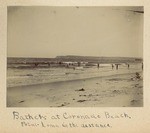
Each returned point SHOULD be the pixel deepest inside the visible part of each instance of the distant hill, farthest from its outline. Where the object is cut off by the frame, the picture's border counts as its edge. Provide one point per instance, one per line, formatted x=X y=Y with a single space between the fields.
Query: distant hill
x=73 y=58
x=100 y=59
x=28 y=60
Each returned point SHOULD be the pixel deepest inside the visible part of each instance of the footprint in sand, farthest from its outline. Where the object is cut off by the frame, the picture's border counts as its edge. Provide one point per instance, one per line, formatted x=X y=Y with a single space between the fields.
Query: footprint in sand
x=90 y=95
x=136 y=85
x=82 y=95
x=116 y=91
x=64 y=104
x=80 y=101
x=21 y=101
x=80 y=90
x=95 y=100
x=133 y=102
x=61 y=105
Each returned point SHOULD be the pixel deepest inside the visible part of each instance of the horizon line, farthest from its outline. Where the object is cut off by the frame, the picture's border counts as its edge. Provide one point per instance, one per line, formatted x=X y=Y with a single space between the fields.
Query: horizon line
x=73 y=55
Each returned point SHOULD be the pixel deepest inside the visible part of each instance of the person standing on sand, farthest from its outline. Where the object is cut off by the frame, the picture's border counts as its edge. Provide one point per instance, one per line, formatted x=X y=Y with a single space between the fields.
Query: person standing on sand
x=128 y=66
x=112 y=66
x=98 y=65
x=116 y=66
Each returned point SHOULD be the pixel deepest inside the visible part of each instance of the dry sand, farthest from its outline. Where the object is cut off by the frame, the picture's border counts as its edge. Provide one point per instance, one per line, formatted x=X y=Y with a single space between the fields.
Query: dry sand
x=110 y=91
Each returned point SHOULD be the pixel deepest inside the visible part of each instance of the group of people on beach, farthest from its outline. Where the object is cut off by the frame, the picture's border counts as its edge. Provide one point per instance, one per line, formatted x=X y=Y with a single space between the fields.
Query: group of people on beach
x=117 y=66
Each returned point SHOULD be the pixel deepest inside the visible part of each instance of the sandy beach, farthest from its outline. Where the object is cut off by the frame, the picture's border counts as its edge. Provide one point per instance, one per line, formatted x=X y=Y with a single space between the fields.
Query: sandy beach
x=121 y=90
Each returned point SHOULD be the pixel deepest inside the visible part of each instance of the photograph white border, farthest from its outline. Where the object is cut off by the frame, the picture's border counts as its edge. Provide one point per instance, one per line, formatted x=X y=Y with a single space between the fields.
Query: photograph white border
x=140 y=115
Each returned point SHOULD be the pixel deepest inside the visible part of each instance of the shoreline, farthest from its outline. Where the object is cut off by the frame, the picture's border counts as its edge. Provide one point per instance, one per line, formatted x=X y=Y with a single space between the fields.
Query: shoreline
x=86 y=78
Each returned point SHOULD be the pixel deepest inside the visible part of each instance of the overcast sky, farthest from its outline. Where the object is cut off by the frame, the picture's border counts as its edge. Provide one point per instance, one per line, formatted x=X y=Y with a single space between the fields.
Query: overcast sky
x=92 y=31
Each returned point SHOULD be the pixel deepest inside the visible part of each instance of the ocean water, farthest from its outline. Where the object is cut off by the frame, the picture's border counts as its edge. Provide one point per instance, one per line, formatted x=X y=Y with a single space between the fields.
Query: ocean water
x=28 y=76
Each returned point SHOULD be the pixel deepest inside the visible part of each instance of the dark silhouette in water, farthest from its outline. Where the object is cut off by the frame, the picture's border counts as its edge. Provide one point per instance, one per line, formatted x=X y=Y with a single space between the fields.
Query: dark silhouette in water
x=98 y=65
x=116 y=66
x=112 y=66
x=128 y=66
x=79 y=63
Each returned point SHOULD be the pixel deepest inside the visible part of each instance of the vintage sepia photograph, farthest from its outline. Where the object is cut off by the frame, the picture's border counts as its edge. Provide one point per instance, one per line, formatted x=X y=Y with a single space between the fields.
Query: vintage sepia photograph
x=75 y=56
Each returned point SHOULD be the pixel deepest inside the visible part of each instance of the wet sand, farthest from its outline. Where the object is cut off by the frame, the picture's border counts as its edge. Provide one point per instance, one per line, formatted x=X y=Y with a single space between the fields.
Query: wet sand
x=111 y=91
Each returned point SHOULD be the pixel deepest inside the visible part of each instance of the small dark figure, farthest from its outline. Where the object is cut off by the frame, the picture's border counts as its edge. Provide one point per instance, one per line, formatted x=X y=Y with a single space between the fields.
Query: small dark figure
x=98 y=65
x=49 y=64
x=79 y=63
x=128 y=66
x=36 y=64
x=112 y=66
x=116 y=66
x=60 y=63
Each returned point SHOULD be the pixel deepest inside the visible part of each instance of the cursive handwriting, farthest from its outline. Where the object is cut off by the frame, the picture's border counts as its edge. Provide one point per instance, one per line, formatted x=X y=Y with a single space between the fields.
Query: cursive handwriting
x=68 y=120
